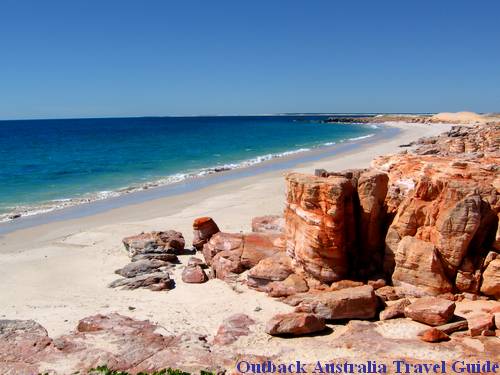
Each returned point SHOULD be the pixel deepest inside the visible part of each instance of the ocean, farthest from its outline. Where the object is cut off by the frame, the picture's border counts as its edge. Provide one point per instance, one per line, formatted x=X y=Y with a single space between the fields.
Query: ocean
x=51 y=164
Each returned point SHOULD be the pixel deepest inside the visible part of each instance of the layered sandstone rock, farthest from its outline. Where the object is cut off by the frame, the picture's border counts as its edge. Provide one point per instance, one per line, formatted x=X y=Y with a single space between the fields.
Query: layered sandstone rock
x=319 y=230
x=418 y=269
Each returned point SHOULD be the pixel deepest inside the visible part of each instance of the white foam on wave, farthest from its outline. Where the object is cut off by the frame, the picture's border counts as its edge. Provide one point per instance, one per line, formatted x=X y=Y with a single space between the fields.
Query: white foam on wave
x=362 y=137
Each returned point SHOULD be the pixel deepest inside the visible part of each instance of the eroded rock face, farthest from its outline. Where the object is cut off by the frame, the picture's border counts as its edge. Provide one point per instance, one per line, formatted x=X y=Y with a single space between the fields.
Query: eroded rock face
x=203 y=229
x=431 y=310
x=295 y=324
x=372 y=190
x=350 y=303
x=418 y=268
x=169 y=241
x=318 y=215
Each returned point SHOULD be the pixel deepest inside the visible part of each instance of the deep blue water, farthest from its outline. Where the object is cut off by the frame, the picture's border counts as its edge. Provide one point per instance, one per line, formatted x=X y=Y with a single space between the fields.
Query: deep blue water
x=46 y=160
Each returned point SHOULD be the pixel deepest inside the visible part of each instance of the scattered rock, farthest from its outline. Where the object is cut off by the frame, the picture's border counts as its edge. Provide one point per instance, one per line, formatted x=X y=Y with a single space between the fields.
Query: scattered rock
x=141 y=267
x=155 y=242
x=434 y=335
x=154 y=281
x=293 y=284
x=431 y=310
x=275 y=268
x=194 y=275
x=295 y=324
x=193 y=261
x=344 y=284
x=165 y=257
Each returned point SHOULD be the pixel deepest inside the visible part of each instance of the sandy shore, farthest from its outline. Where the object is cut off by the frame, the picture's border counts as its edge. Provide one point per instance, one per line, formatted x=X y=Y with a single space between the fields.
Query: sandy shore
x=57 y=273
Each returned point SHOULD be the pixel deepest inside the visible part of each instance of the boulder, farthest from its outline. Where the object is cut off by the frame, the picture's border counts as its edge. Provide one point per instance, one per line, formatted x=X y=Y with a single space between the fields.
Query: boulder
x=222 y=242
x=388 y=293
x=295 y=324
x=395 y=310
x=480 y=322
x=141 y=267
x=203 y=229
x=194 y=275
x=491 y=279
x=350 y=303
x=268 y=224
x=155 y=242
x=319 y=217
x=232 y=328
x=293 y=284
x=418 y=268
x=154 y=281
x=268 y=270
x=431 y=310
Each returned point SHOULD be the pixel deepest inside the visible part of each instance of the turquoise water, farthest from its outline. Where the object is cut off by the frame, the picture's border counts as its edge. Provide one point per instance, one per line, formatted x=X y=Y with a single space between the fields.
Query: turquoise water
x=52 y=163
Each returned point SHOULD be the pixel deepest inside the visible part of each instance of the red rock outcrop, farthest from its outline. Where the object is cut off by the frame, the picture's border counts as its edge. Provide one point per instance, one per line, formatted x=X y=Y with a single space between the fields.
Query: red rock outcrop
x=418 y=270
x=491 y=279
x=203 y=229
x=232 y=328
x=318 y=215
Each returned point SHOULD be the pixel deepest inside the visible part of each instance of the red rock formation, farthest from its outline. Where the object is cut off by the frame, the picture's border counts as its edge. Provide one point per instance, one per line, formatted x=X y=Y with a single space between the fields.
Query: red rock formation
x=418 y=269
x=318 y=214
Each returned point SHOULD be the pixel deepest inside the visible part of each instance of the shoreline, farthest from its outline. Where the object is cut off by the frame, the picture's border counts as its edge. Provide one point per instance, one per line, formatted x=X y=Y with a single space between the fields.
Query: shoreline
x=92 y=203
x=57 y=273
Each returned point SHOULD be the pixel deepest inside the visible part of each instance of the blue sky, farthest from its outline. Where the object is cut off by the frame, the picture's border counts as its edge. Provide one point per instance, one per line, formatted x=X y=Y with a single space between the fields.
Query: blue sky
x=87 y=58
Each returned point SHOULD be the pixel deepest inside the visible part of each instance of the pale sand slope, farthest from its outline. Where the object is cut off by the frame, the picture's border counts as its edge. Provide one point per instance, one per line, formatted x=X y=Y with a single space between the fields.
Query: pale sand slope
x=57 y=273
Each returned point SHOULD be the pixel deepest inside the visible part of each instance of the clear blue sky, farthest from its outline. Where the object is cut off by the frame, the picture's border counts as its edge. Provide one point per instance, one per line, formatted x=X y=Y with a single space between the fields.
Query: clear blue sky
x=84 y=58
